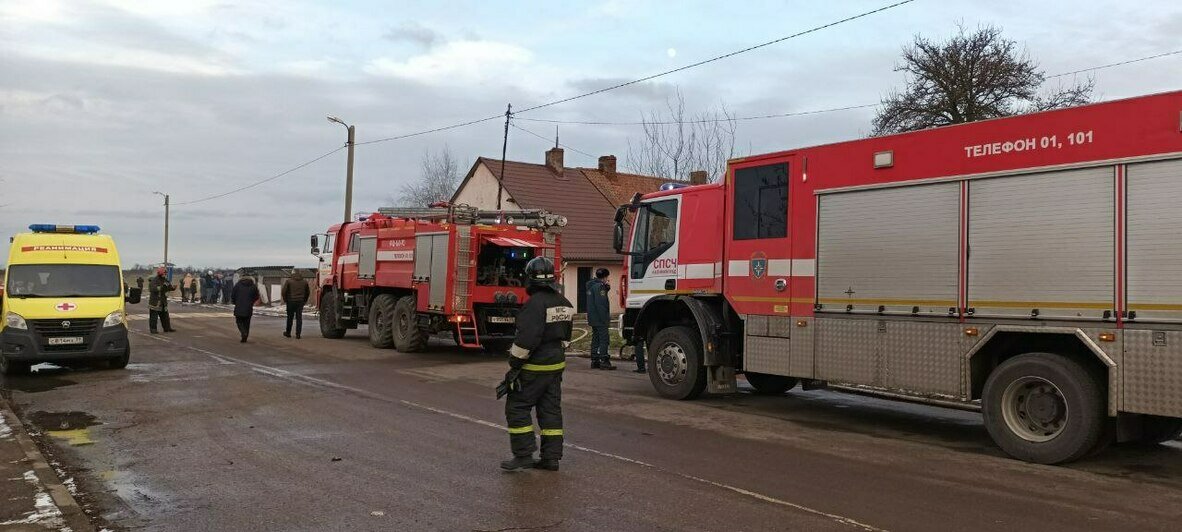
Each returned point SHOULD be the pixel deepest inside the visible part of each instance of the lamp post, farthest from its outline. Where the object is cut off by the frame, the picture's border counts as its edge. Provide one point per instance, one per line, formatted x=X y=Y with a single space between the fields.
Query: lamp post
x=165 y=227
x=348 y=168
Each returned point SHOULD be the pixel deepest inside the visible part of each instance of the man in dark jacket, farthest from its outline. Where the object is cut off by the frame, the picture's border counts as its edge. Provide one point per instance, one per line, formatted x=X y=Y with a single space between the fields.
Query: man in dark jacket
x=194 y=293
x=536 y=361
x=227 y=287
x=295 y=294
x=244 y=296
x=158 y=290
x=599 y=318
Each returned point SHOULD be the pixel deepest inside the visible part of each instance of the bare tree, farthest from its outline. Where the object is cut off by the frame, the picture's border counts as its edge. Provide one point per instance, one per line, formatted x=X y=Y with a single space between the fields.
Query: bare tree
x=971 y=76
x=675 y=143
x=439 y=175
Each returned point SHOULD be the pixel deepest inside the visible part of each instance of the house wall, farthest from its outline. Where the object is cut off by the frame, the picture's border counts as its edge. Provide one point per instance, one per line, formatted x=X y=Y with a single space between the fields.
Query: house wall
x=481 y=191
x=570 y=277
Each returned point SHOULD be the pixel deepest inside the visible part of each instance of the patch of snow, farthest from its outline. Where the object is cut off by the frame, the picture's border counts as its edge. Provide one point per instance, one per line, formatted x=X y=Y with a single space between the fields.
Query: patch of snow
x=44 y=510
x=70 y=486
x=5 y=430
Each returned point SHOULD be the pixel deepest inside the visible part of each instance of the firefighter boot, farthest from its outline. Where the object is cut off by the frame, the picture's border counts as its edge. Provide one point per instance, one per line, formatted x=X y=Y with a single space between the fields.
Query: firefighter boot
x=518 y=463
x=607 y=365
x=548 y=464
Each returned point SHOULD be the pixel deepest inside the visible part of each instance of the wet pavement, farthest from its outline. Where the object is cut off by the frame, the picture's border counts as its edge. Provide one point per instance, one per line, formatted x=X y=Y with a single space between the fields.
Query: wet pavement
x=201 y=432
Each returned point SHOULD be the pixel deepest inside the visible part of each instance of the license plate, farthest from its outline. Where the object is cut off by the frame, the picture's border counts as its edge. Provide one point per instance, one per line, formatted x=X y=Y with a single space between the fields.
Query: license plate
x=502 y=319
x=65 y=340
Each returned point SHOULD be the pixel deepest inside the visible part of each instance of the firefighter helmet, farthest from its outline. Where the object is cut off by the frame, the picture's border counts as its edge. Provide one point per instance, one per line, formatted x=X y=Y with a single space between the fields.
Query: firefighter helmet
x=539 y=273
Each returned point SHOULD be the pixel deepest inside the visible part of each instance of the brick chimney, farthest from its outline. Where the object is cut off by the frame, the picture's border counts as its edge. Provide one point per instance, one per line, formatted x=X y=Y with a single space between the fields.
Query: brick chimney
x=699 y=177
x=607 y=165
x=554 y=160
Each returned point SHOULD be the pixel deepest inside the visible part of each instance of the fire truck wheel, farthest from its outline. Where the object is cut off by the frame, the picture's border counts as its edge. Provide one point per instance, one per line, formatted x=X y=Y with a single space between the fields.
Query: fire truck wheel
x=675 y=363
x=12 y=367
x=1158 y=429
x=329 y=328
x=381 y=319
x=1044 y=408
x=120 y=361
x=408 y=337
x=770 y=384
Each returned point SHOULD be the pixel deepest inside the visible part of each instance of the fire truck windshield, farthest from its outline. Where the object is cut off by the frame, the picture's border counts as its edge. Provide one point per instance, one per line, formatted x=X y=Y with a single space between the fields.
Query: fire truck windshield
x=502 y=266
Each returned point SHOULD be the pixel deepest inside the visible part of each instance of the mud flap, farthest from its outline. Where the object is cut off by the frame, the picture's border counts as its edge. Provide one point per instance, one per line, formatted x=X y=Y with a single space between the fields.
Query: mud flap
x=720 y=379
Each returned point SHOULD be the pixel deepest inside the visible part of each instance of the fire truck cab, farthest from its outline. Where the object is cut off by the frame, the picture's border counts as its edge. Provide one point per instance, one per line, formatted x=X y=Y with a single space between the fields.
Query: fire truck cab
x=1029 y=265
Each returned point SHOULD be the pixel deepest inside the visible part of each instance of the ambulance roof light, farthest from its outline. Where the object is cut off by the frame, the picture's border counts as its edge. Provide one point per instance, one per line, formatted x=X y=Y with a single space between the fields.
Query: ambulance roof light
x=54 y=228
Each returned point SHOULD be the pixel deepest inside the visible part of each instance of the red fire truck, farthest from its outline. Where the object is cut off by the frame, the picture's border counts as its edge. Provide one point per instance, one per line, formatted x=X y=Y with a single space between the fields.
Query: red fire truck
x=1033 y=264
x=410 y=273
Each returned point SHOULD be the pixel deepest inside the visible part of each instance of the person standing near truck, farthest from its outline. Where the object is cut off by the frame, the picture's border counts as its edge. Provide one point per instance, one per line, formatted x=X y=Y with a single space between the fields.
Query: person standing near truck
x=536 y=361
x=599 y=318
x=295 y=294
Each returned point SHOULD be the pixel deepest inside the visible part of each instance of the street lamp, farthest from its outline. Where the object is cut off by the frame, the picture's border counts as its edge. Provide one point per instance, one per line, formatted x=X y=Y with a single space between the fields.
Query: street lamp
x=348 y=169
x=165 y=227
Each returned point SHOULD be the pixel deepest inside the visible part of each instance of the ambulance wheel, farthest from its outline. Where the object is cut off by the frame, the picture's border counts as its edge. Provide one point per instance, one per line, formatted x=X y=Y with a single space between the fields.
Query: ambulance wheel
x=120 y=361
x=408 y=337
x=12 y=367
x=381 y=316
x=1044 y=408
x=765 y=384
x=675 y=363
x=329 y=328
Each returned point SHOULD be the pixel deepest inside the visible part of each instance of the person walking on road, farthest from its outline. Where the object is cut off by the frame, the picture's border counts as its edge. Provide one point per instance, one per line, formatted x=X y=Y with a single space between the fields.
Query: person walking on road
x=244 y=297
x=536 y=361
x=227 y=288
x=599 y=318
x=295 y=293
x=158 y=290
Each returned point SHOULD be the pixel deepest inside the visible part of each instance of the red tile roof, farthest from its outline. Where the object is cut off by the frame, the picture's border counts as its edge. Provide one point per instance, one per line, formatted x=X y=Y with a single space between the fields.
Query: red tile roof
x=585 y=196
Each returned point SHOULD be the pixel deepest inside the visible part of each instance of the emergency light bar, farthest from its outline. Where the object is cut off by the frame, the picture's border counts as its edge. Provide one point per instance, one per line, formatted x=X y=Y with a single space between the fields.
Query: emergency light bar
x=72 y=229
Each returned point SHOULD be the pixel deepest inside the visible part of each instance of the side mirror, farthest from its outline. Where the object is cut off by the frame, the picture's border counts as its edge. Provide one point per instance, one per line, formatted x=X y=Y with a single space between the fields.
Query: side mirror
x=618 y=237
x=133 y=295
x=316 y=245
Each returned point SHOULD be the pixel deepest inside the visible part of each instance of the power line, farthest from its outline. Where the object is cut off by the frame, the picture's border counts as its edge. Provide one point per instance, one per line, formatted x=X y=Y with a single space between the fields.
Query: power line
x=576 y=150
x=1110 y=65
x=257 y=183
x=702 y=120
x=646 y=78
x=718 y=58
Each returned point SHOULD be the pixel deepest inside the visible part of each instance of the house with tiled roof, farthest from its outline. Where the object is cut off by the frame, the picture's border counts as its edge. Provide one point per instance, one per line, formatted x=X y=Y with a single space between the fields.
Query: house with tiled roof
x=586 y=196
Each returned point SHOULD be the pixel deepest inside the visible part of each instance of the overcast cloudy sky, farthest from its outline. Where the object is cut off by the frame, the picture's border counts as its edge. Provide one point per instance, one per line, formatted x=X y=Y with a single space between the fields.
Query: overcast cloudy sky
x=103 y=102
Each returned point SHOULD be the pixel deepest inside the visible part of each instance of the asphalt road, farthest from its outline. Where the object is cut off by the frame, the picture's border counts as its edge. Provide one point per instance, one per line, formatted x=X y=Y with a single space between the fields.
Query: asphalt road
x=201 y=432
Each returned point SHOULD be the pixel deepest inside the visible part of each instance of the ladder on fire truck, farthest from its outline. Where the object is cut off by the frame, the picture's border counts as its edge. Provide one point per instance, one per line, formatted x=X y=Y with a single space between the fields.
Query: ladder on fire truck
x=466 y=214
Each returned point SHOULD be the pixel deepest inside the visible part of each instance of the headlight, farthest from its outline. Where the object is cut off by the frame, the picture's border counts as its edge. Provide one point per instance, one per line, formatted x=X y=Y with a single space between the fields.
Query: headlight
x=113 y=319
x=16 y=321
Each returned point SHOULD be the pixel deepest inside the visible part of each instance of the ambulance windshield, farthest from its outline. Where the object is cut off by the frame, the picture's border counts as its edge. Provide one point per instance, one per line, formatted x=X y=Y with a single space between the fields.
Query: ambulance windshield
x=63 y=280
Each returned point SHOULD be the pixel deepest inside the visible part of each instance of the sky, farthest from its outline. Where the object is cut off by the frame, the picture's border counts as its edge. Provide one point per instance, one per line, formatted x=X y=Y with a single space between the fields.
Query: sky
x=104 y=102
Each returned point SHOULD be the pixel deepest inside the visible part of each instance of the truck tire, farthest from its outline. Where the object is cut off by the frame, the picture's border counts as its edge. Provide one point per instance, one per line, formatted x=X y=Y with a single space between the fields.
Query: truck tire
x=408 y=337
x=120 y=362
x=381 y=320
x=12 y=367
x=329 y=328
x=1045 y=408
x=765 y=384
x=675 y=363
x=1158 y=429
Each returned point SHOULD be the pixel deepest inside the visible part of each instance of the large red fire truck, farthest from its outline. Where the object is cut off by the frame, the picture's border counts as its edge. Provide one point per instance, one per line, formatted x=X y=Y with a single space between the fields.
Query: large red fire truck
x=410 y=273
x=1033 y=264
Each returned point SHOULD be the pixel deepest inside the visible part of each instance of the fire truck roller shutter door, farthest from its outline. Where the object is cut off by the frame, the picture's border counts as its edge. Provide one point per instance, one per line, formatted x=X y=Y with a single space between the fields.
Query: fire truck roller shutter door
x=1042 y=242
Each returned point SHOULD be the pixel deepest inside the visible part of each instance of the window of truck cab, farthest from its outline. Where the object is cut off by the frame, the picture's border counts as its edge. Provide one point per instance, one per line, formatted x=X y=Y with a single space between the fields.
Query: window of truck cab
x=656 y=231
x=761 y=202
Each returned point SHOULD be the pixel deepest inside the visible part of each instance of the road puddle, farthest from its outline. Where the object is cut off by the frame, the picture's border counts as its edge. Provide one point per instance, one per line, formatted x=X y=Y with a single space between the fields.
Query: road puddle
x=73 y=427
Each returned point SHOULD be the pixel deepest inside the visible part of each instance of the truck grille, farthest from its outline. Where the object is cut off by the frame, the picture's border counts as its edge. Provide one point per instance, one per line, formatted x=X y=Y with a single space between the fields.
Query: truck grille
x=76 y=327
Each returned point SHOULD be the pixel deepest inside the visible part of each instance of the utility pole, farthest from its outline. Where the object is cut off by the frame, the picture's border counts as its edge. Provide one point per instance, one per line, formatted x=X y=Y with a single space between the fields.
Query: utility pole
x=504 y=148
x=166 y=207
x=351 y=143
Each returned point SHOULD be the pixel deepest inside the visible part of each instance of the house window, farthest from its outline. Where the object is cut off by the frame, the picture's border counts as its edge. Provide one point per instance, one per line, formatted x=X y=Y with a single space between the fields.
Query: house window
x=761 y=202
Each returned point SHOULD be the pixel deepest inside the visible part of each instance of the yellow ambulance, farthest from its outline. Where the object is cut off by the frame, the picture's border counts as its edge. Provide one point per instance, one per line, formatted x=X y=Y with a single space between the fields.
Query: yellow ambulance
x=63 y=299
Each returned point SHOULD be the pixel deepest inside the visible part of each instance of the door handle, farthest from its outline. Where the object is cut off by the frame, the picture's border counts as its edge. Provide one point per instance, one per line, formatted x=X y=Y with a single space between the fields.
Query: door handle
x=670 y=284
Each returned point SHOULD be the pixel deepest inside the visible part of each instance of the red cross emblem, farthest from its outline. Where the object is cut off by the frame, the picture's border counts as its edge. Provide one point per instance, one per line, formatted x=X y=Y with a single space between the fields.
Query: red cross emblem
x=66 y=307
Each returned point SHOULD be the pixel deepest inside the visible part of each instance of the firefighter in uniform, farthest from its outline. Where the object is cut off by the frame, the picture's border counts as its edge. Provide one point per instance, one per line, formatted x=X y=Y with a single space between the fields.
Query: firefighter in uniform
x=536 y=361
